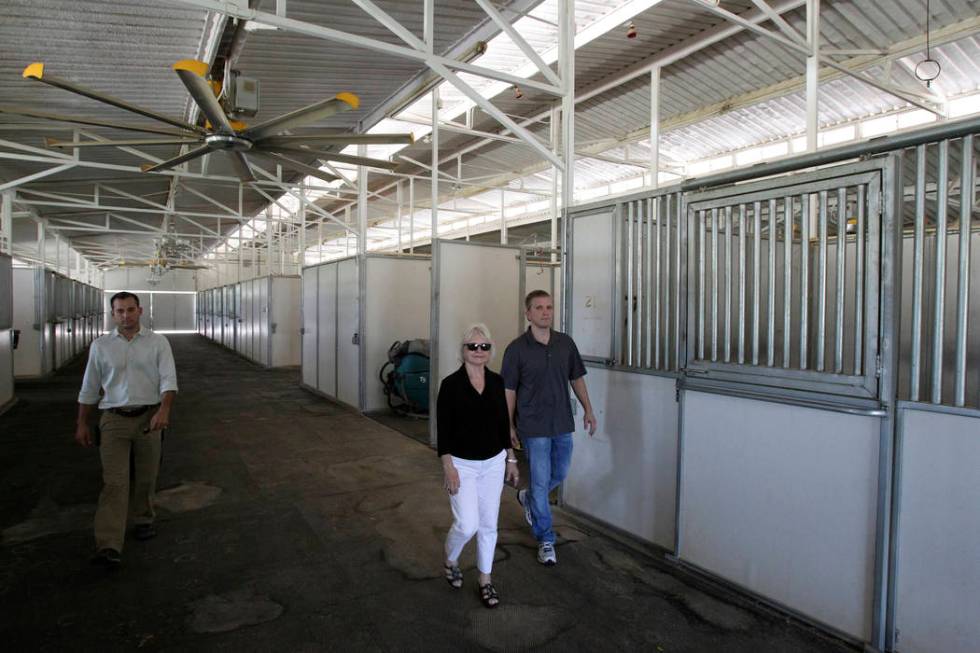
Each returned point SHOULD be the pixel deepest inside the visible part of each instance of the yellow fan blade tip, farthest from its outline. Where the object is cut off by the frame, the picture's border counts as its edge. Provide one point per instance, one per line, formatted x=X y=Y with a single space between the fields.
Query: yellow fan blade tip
x=50 y=142
x=199 y=68
x=145 y=166
x=35 y=70
x=411 y=139
x=350 y=99
x=238 y=125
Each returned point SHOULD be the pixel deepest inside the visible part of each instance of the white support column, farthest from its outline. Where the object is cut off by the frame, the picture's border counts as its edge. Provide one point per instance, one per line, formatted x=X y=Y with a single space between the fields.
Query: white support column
x=566 y=69
x=554 y=135
x=655 y=127
x=812 y=73
x=411 y=215
x=301 y=239
x=503 y=218
x=434 y=209
x=40 y=244
x=362 y=209
x=398 y=218
x=428 y=25
x=6 y=223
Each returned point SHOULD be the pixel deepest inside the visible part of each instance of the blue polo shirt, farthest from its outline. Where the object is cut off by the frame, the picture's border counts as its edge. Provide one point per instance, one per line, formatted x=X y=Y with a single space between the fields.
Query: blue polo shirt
x=540 y=375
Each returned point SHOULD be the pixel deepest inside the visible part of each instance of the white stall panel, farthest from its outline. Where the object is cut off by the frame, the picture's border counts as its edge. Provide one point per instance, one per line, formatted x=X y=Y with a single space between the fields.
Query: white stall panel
x=348 y=353
x=263 y=317
x=246 y=320
x=228 y=327
x=625 y=475
x=285 y=315
x=28 y=357
x=547 y=278
x=473 y=283
x=6 y=367
x=938 y=566
x=398 y=295
x=309 y=357
x=593 y=250
x=6 y=332
x=327 y=330
x=782 y=500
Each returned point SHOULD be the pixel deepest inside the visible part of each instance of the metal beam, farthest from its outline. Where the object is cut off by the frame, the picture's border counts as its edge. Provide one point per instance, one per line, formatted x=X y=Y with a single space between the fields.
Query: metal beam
x=232 y=8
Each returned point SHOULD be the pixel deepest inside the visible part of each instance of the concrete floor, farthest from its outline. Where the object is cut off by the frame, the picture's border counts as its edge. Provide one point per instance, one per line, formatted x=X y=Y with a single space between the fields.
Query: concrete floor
x=289 y=524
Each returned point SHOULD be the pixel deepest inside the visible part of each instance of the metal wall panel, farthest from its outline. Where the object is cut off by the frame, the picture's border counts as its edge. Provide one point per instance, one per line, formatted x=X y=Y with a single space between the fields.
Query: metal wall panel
x=183 y=311
x=625 y=475
x=781 y=500
x=397 y=296
x=28 y=357
x=262 y=317
x=309 y=356
x=472 y=283
x=593 y=284
x=6 y=367
x=162 y=311
x=327 y=329
x=284 y=309
x=6 y=292
x=938 y=564
x=348 y=333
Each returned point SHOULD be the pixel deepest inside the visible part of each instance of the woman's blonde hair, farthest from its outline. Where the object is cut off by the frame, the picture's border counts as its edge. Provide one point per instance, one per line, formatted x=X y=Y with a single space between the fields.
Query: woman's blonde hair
x=476 y=328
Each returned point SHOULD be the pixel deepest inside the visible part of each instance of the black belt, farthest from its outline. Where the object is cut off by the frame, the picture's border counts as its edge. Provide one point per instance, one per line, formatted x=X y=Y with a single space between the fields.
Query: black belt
x=131 y=412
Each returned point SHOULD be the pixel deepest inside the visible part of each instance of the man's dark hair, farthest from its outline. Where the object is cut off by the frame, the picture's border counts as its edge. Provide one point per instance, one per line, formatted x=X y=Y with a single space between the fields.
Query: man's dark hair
x=534 y=294
x=122 y=295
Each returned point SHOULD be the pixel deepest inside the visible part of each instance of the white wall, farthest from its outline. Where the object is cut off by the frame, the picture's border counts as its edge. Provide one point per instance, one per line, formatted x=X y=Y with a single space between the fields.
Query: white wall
x=134 y=279
x=781 y=500
x=474 y=283
x=285 y=307
x=938 y=541
x=397 y=308
x=591 y=304
x=28 y=356
x=6 y=331
x=625 y=475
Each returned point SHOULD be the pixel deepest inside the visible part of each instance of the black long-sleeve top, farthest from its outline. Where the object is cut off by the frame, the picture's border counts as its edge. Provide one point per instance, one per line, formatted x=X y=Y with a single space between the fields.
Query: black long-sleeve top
x=469 y=424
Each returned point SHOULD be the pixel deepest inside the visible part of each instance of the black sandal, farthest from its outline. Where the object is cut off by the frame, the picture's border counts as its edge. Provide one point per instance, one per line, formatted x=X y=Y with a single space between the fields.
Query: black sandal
x=453 y=576
x=488 y=594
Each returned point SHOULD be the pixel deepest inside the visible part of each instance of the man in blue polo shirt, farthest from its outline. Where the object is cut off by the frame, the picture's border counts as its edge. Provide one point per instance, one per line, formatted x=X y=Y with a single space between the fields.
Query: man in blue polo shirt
x=538 y=367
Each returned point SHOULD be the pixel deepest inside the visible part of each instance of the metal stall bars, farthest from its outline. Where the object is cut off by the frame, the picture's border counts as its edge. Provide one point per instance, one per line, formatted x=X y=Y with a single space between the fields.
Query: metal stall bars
x=784 y=281
x=938 y=346
x=649 y=235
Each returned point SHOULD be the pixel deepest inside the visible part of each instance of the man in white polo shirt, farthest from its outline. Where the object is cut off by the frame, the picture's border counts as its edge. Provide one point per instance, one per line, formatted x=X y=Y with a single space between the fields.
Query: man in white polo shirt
x=134 y=369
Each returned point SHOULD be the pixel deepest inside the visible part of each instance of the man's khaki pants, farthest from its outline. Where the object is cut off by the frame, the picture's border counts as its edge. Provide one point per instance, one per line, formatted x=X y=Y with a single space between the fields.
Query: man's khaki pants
x=119 y=435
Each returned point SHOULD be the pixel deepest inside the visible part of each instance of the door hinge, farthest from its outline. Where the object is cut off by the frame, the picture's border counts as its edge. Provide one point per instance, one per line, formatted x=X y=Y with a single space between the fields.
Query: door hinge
x=878 y=366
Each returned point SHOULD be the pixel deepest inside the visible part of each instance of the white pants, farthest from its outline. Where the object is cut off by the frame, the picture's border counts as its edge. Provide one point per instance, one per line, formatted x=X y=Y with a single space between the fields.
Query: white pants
x=475 y=508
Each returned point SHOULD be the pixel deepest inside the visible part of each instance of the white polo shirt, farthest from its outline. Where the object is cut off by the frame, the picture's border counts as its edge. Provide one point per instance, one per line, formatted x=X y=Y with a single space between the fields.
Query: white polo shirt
x=132 y=372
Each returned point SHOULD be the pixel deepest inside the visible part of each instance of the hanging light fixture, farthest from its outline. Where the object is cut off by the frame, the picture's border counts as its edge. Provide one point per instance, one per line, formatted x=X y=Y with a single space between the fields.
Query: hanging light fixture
x=517 y=92
x=928 y=69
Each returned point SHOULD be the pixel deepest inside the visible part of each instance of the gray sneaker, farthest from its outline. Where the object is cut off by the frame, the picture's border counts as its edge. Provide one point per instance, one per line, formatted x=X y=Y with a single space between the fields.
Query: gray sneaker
x=546 y=554
x=522 y=499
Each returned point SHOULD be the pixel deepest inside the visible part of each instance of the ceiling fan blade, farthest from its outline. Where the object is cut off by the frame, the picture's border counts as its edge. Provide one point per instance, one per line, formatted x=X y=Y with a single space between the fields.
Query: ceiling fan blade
x=51 y=142
x=336 y=156
x=240 y=163
x=304 y=116
x=30 y=113
x=36 y=71
x=342 y=139
x=177 y=160
x=192 y=73
x=295 y=165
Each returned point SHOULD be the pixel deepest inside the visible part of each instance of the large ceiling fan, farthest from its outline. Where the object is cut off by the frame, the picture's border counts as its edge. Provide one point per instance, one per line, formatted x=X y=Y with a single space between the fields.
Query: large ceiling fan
x=269 y=140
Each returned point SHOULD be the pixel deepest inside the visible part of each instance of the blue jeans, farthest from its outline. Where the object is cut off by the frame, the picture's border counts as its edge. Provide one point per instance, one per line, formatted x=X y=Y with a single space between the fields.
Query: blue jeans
x=549 y=459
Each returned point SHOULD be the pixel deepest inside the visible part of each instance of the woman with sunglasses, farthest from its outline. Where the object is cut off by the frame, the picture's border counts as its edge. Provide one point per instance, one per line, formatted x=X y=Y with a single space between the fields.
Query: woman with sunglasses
x=473 y=430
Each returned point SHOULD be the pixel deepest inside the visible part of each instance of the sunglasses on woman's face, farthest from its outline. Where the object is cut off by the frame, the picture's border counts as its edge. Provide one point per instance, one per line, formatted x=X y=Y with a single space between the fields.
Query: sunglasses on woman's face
x=482 y=346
